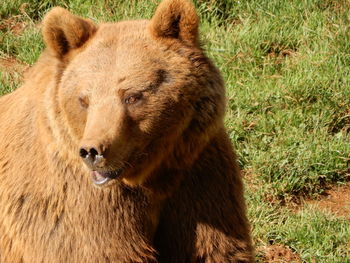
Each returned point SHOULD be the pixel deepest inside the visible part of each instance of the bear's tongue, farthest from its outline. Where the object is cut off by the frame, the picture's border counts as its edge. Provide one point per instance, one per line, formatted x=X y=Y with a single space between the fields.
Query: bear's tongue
x=99 y=178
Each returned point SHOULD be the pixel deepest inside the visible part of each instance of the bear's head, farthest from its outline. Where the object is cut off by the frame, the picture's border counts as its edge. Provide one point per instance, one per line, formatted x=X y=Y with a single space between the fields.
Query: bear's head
x=135 y=95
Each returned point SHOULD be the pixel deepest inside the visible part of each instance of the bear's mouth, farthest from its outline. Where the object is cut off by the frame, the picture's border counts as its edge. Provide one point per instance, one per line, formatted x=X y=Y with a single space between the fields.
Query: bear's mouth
x=101 y=178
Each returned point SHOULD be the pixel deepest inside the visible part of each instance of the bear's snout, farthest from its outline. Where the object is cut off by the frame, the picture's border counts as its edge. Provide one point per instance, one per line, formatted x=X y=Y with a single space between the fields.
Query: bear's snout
x=92 y=156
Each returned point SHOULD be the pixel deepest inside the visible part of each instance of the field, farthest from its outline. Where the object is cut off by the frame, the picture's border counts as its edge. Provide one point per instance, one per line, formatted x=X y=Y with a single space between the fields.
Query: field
x=287 y=70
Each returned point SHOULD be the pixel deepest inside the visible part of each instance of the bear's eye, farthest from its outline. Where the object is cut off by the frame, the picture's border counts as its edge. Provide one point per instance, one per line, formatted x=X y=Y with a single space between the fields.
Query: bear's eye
x=84 y=101
x=133 y=99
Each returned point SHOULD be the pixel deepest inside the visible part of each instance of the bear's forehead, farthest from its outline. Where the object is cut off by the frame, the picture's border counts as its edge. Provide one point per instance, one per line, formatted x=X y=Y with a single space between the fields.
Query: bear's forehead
x=124 y=44
x=125 y=31
x=115 y=65
x=125 y=51
x=120 y=60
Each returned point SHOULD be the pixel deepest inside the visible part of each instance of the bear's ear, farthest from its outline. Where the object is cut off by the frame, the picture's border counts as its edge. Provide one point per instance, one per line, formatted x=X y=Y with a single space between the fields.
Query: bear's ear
x=63 y=31
x=176 y=19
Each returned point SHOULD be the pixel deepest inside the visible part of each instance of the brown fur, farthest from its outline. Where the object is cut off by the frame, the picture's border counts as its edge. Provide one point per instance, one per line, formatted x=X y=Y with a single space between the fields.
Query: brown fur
x=144 y=94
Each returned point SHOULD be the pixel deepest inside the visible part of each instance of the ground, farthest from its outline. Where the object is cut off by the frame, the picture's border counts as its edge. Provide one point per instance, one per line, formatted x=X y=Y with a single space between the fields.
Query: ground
x=278 y=254
x=296 y=229
x=335 y=200
x=286 y=67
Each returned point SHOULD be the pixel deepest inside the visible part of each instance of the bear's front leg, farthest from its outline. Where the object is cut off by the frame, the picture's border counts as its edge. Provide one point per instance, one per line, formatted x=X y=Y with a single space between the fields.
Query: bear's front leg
x=205 y=224
x=215 y=244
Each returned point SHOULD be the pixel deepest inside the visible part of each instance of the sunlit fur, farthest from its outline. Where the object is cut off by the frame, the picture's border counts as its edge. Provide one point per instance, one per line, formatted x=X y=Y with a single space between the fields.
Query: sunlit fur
x=180 y=196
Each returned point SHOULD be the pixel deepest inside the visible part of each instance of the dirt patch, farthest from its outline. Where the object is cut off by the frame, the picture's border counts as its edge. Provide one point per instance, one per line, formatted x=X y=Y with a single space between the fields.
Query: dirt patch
x=256 y=184
x=251 y=180
x=11 y=71
x=13 y=24
x=335 y=5
x=278 y=254
x=335 y=200
x=341 y=122
x=277 y=53
x=11 y=65
x=16 y=24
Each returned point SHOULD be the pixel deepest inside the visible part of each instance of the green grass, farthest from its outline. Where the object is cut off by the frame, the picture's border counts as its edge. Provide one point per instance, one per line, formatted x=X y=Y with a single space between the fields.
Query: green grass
x=287 y=71
x=314 y=235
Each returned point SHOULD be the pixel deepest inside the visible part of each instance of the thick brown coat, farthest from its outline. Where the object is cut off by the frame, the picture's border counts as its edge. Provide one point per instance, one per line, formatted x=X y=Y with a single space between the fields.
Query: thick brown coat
x=142 y=97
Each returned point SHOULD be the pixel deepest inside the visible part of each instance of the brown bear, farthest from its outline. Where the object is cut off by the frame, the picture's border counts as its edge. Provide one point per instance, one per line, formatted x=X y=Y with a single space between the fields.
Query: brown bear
x=114 y=149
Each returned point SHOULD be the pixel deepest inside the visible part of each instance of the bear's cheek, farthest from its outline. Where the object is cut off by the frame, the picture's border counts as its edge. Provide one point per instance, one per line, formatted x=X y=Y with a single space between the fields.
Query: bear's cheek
x=75 y=117
x=145 y=124
x=137 y=119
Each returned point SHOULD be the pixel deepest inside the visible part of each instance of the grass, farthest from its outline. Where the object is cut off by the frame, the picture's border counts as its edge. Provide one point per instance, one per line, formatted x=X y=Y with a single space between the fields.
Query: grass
x=286 y=66
x=315 y=236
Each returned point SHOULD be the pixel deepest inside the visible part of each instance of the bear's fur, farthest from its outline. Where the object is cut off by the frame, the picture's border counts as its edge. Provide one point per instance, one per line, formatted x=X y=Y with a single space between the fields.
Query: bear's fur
x=137 y=106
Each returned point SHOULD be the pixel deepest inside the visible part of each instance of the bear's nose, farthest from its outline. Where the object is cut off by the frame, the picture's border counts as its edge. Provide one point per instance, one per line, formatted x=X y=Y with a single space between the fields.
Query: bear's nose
x=92 y=156
x=86 y=151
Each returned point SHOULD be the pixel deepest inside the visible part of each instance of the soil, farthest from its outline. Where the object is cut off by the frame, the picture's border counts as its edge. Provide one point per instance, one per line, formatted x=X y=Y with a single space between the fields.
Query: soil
x=13 y=24
x=278 y=254
x=11 y=69
x=11 y=65
x=335 y=200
